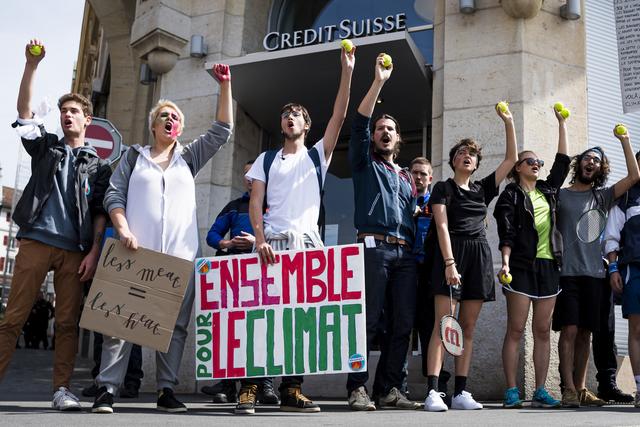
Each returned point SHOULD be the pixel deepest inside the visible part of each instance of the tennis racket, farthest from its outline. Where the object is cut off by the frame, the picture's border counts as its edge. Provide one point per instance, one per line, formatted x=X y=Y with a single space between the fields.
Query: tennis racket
x=451 y=332
x=590 y=225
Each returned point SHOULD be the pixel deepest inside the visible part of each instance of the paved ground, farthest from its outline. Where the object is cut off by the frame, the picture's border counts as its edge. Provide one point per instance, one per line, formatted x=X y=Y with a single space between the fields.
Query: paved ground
x=26 y=392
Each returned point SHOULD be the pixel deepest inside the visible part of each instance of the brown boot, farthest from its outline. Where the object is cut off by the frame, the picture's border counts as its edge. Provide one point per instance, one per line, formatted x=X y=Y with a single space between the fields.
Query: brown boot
x=587 y=398
x=294 y=401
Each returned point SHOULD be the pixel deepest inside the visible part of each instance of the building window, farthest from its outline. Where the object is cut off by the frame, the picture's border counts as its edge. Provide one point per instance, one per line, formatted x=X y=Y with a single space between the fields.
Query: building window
x=8 y=216
x=10 y=263
x=1 y=263
x=5 y=240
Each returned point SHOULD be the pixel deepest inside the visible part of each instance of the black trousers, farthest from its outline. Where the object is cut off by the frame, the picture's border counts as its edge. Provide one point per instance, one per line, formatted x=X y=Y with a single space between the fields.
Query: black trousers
x=603 y=344
x=390 y=283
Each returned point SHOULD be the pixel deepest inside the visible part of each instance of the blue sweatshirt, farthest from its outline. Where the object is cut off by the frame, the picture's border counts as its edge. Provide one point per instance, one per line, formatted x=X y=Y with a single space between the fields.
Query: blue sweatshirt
x=384 y=197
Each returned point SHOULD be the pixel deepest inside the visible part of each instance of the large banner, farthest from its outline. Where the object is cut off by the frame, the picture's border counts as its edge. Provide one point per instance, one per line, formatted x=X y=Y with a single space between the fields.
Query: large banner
x=628 y=33
x=136 y=295
x=303 y=315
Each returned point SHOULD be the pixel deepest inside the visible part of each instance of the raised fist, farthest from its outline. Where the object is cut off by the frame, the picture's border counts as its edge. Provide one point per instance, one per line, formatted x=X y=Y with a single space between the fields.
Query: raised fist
x=221 y=73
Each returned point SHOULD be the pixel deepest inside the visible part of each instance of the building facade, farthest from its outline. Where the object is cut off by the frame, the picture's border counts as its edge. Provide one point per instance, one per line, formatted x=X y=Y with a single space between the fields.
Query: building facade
x=451 y=66
x=9 y=246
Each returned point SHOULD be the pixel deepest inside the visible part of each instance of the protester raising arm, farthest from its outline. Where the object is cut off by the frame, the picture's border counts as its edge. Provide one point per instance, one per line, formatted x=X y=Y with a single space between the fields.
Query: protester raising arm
x=511 y=149
x=633 y=174
x=332 y=131
x=26 y=84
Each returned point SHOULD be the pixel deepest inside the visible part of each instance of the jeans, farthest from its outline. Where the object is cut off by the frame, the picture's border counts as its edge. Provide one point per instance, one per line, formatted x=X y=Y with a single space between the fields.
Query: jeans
x=390 y=281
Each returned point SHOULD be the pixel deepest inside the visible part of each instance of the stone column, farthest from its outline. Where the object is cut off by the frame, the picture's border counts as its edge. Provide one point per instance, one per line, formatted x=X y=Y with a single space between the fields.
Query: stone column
x=125 y=92
x=480 y=59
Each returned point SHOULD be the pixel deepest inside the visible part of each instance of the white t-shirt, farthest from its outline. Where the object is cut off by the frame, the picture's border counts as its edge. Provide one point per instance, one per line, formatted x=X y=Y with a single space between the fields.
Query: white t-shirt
x=293 y=195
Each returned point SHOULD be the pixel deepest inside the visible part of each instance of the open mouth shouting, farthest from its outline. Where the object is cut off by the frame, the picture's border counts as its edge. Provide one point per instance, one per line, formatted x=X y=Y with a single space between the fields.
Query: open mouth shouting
x=172 y=123
x=172 y=128
x=68 y=123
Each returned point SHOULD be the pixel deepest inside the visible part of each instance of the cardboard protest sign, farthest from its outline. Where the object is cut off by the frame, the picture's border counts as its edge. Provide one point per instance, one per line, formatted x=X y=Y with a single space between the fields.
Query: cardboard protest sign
x=628 y=37
x=136 y=295
x=303 y=315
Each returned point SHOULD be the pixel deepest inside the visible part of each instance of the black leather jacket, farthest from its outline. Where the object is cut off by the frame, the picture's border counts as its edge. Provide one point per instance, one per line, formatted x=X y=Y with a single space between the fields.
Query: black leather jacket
x=91 y=182
x=516 y=224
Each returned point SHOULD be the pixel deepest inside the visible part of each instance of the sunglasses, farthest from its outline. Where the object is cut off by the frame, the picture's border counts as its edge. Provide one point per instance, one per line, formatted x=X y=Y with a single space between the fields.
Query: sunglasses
x=531 y=161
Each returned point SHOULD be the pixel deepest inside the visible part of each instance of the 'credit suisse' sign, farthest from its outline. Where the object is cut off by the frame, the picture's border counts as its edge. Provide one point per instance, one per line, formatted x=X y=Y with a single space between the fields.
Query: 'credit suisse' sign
x=346 y=29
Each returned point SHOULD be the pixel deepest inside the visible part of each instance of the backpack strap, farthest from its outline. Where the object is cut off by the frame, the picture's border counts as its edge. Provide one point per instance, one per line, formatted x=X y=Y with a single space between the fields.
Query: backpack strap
x=269 y=157
x=315 y=157
x=132 y=156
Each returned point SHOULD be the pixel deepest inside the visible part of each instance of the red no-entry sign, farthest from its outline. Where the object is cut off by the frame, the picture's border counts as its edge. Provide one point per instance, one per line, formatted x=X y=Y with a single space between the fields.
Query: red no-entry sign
x=105 y=138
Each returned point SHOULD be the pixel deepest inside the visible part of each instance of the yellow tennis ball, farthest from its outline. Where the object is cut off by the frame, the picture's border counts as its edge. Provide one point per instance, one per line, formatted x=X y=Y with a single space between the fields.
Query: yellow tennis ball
x=503 y=106
x=386 y=61
x=347 y=45
x=565 y=113
x=506 y=278
x=35 y=50
x=621 y=130
x=558 y=106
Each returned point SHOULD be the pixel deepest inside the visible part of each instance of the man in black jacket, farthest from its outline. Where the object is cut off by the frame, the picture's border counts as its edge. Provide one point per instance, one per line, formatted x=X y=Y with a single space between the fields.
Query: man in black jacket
x=384 y=207
x=61 y=221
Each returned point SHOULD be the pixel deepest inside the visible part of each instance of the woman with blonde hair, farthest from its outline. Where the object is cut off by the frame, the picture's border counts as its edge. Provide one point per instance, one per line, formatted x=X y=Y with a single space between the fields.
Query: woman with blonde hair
x=152 y=203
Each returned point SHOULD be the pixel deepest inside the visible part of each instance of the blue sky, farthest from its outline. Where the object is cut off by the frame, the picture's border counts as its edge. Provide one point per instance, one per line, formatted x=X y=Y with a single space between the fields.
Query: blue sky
x=57 y=24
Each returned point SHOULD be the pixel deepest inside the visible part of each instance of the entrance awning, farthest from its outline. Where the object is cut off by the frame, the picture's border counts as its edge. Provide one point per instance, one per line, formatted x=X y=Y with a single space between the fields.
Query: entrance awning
x=265 y=81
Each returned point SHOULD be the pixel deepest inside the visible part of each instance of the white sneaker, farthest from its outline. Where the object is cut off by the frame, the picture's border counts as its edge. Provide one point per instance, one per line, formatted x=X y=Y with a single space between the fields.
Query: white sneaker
x=64 y=400
x=434 y=402
x=465 y=401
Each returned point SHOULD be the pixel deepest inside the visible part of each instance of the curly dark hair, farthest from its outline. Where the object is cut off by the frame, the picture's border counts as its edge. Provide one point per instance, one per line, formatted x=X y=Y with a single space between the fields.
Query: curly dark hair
x=601 y=177
x=471 y=145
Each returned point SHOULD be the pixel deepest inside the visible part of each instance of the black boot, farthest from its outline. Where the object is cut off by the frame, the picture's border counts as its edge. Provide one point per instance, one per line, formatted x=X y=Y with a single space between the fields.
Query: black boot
x=612 y=394
x=223 y=391
x=267 y=395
